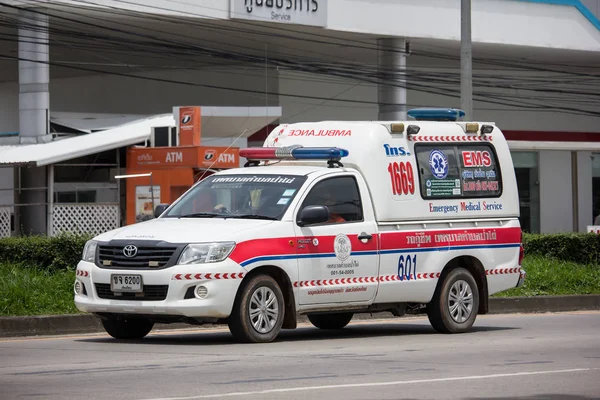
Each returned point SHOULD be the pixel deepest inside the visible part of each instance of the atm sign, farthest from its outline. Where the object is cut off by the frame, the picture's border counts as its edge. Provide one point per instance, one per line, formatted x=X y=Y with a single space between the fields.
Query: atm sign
x=476 y=158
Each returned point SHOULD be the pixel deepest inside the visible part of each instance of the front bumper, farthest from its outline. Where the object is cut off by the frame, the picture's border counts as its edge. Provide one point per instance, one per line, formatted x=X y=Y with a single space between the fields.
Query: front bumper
x=221 y=281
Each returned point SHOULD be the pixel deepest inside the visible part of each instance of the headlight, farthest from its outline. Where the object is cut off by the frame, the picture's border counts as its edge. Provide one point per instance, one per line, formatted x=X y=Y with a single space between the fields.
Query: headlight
x=89 y=251
x=199 y=253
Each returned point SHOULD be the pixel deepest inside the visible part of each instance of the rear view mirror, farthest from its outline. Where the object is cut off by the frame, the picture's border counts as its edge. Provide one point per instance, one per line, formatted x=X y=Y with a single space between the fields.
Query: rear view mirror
x=160 y=209
x=313 y=215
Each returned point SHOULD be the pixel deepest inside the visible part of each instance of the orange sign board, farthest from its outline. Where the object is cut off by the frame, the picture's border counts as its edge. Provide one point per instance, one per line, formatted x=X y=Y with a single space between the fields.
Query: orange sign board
x=189 y=126
x=191 y=157
x=218 y=157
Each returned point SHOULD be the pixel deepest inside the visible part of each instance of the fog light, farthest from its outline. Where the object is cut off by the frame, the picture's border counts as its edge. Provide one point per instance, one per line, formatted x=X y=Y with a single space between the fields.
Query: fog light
x=78 y=287
x=201 y=292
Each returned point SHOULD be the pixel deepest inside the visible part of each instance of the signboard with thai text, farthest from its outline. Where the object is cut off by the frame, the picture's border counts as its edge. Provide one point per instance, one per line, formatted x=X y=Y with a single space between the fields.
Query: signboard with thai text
x=301 y=12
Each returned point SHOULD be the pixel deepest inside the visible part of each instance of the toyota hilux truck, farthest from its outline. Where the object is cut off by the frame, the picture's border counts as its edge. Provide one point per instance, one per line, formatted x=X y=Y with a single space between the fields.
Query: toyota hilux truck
x=327 y=219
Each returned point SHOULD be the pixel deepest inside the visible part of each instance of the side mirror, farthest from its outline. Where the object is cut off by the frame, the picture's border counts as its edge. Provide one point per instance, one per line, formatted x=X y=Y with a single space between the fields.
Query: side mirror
x=313 y=215
x=160 y=209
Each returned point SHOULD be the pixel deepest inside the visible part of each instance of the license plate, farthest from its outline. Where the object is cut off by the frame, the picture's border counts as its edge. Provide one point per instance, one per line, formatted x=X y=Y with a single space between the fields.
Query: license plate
x=126 y=283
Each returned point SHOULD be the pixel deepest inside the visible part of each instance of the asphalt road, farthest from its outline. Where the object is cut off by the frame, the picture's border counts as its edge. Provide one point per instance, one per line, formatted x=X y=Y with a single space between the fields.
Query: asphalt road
x=543 y=356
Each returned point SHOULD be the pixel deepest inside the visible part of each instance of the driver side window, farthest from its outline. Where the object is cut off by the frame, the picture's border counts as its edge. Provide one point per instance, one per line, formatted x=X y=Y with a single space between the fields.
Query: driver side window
x=340 y=195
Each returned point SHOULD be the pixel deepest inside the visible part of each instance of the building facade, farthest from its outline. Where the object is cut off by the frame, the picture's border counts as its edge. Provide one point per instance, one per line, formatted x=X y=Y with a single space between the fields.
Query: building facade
x=536 y=74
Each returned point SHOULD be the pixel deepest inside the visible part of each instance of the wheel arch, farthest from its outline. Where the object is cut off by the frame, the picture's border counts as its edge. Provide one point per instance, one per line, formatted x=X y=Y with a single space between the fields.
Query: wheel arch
x=285 y=284
x=475 y=267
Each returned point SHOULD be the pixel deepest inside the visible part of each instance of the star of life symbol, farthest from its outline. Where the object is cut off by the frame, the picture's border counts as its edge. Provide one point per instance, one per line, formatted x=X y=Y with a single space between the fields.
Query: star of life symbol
x=342 y=247
x=438 y=163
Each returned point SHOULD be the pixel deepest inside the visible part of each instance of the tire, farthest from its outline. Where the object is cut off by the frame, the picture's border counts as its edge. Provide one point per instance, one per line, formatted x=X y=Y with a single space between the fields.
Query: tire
x=127 y=328
x=443 y=315
x=248 y=322
x=330 y=321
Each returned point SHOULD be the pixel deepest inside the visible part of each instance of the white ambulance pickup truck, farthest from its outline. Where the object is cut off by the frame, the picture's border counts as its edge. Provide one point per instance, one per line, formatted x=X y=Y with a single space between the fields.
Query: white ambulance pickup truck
x=327 y=219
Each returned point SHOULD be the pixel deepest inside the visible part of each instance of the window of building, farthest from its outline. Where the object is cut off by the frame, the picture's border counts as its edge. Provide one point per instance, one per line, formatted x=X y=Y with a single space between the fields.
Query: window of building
x=77 y=196
x=457 y=171
x=86 y=196
x=65 y=197
x=527 y=173
x=340 y=195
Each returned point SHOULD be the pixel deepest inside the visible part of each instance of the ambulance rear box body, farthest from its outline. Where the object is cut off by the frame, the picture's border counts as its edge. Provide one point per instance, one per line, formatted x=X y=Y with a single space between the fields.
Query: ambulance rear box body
x=327 y=219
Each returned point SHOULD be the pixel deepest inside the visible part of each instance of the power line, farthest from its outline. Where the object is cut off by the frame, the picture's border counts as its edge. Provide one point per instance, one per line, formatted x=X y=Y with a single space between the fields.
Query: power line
x=420 y=82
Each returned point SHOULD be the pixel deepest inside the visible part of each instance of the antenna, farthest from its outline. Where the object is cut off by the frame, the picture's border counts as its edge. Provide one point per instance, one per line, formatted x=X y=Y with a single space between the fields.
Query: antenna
x=216 y=159
x=266 y=88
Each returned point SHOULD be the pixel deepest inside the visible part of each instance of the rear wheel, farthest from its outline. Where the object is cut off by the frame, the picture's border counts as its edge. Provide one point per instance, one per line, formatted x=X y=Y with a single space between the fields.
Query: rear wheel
x=453 y=308
x=330 y=321
x=257 y=316
x=127 y=328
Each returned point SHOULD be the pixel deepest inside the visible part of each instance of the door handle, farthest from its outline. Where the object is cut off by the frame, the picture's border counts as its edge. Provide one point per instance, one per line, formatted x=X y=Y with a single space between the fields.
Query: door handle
x=365 y=236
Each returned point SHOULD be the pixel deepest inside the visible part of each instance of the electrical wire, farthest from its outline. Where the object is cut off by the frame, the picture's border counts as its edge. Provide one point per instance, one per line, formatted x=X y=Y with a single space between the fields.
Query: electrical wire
x=367 y=74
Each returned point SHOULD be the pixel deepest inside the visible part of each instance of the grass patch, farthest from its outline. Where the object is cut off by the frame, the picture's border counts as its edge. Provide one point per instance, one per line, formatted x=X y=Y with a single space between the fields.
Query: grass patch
x=26 y=290
x=547 y=276
x=32 y=291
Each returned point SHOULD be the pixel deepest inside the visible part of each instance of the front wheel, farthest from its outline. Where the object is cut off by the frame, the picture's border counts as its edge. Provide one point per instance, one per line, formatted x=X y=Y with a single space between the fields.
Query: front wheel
x=453 y=308
x=330 y=321
x=127 y=328
x=257 y=315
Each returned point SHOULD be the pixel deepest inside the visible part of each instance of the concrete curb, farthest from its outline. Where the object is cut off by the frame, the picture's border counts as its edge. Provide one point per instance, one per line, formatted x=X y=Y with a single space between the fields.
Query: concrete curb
x=86 y=323
x=541 y=304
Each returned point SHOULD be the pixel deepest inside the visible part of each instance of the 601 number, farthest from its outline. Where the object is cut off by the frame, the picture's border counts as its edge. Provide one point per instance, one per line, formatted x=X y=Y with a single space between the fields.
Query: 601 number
x=402 y=177
x=407 y=267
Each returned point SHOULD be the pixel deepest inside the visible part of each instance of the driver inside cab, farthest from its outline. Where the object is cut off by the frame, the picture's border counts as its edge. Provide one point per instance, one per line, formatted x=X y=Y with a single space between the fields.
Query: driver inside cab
x=329 y=201
x=206 y=202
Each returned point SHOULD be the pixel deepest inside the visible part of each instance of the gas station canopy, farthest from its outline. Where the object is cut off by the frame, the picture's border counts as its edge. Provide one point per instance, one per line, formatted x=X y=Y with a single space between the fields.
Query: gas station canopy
x=216 y=122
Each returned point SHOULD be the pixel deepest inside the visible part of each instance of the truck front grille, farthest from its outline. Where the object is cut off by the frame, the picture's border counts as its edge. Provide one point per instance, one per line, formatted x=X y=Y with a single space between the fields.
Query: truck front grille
x=150 y=293
x=145 y=257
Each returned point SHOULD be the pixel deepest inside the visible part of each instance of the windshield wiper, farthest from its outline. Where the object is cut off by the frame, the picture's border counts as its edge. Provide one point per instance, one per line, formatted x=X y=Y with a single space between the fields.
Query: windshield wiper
x=201 y=215
x=253 y=216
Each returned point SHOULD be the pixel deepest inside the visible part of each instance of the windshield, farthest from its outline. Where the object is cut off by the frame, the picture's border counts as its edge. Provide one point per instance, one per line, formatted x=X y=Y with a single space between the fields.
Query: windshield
x=239 y=196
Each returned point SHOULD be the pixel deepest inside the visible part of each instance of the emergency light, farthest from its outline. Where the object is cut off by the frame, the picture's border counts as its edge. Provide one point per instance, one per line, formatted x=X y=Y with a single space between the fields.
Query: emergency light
x=331 y=154
x=293 y=153
x=436 y=114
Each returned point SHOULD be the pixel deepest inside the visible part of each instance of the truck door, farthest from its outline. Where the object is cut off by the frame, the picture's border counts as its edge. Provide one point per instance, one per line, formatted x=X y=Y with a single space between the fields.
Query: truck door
x=338 y=261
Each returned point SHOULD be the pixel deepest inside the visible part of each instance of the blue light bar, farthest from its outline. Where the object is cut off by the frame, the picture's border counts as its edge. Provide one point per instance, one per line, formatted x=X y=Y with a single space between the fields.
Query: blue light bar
x=319 y=153
x=436 y=114
x=293 y=153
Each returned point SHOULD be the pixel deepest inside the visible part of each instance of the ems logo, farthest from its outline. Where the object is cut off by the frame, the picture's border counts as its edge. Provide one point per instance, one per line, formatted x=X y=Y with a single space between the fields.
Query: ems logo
x=209 y=155
x=342 y=247
x=186 y=119
x=438 y=163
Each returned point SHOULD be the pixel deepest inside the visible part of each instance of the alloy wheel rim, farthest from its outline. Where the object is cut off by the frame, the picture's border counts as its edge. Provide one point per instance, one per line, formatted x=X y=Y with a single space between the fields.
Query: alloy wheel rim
x=263 y=309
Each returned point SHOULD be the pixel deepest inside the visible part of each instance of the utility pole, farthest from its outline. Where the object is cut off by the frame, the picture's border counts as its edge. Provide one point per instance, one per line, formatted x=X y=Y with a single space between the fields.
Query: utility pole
x=466 y=60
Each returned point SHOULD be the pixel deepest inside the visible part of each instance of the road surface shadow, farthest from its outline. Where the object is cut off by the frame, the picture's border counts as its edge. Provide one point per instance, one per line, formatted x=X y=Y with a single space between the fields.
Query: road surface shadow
x=537 y=397
x=534 y=397
x=352 y=331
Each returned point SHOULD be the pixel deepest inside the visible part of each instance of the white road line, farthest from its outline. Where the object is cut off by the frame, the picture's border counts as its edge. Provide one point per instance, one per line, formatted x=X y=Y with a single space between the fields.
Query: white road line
x=373 y=384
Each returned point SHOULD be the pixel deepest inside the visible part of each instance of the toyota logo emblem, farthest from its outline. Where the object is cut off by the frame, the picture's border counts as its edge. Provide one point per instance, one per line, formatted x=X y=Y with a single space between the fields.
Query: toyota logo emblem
x=130 y=251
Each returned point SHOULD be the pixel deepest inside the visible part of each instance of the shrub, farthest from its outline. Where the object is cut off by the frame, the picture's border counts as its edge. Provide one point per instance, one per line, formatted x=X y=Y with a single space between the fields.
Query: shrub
x=49 y=253
x=582 y=248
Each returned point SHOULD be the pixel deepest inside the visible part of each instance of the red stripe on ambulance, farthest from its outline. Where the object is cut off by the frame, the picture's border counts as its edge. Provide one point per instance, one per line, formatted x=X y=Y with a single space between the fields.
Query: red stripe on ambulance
x=210 y=276
x=287 y=246
x=445 y=238
x=417 y=138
